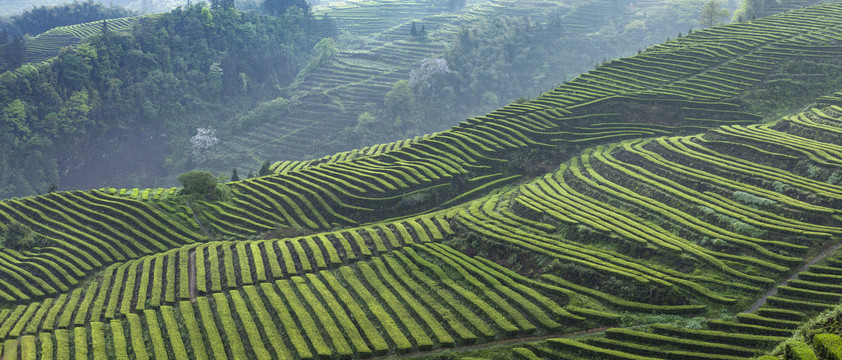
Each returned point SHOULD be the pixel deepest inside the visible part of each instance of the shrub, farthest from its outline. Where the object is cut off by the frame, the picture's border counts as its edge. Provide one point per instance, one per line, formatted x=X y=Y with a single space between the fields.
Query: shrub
x=798 y=350
x=197 y=182
x=19 y=237
x=202 y=185
x=829 y=346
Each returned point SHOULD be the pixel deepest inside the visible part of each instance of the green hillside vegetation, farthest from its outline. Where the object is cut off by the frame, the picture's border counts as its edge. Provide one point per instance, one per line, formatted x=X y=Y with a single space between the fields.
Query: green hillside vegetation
x=359 y=83
x=652 y=201
x=113 y=92
x=47 y=45
x=16 y=31
x=495 y=52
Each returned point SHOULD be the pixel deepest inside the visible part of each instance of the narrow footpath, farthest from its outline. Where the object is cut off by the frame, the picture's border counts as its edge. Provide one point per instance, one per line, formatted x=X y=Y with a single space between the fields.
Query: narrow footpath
x=774 y=289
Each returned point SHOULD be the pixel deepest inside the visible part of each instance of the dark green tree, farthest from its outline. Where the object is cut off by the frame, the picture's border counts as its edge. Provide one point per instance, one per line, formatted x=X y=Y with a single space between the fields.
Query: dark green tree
x=413 y=31
x=279 y=7
x=19 y=237
x=400 y=100
x=198 y=183
x=264 y=169
x=16 y=51
x=234 y=176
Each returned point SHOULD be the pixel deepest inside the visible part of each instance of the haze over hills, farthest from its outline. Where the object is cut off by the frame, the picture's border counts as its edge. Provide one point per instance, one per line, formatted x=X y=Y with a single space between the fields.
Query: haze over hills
x=257 y=117
x=643 y=209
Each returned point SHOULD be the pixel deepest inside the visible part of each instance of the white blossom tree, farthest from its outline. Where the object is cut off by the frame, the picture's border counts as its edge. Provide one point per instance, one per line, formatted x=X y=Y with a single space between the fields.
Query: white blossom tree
x=202 y=142
x=424 y=78
x=425 y=75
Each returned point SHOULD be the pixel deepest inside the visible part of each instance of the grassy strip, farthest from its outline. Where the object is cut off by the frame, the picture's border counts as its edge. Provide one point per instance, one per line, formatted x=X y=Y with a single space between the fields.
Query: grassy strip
x=340 y=345
x=211 y=330
x=35 y=323
x=136 y=331
x=229 y=325
x=173 y=333
x=477 y=303
x=159 y=348
x=465 y=335
x=311 y=327
x=291 y=330
x=188 y=318
x=143 y=290
x=157 y=286
x=347 y=325
x=269 y=328
x=378 y=344
x=248 y=323
x=433 y=323
x=118 y=337
x=82 y=313
x=388 y=324
x=302 y=255
x=97 y=341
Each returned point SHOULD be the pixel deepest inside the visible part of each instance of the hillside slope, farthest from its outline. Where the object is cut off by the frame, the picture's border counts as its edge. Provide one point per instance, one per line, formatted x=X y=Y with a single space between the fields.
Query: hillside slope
x=325 y=106
x=645 y=194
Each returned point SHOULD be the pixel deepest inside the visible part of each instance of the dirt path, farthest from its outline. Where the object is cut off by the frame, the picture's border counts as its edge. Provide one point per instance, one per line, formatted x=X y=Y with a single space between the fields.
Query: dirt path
x=774 y=289
x=576 y=334
x=191 y=273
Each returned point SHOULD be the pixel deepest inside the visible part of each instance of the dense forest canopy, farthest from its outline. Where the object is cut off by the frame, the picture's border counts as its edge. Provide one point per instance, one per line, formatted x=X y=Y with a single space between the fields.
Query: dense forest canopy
x=216 y=59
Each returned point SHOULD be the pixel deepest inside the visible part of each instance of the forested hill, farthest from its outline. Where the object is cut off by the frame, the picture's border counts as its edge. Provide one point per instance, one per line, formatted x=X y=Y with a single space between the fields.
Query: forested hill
x=642 y=202
x=114 y=94
x=357 y=91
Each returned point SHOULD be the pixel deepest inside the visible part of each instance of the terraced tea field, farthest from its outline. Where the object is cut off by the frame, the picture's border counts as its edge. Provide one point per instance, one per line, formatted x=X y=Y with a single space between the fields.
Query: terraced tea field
x=46 y=46
x=334 y=94
x=637 y=211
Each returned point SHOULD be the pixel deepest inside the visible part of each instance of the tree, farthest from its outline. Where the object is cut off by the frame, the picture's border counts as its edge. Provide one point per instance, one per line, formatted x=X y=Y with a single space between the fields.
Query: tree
x=202 y=142
x=73 y=116
x=264 y=169
x=279 y=7
x=400 y=100
x=215 y=74
x=199 y=183
x=234 y=176
x=326 y=48
x=19 y=237
x=713 y=14
x=413 y=31
x=16 y=52
x=15 y=116
x=53 y=188
x=425 y=76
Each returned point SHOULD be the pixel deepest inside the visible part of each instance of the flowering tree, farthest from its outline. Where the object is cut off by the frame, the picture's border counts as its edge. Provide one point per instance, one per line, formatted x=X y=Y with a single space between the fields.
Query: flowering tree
x=202 y=142
x=424 y=77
